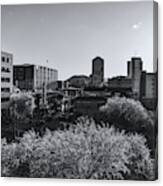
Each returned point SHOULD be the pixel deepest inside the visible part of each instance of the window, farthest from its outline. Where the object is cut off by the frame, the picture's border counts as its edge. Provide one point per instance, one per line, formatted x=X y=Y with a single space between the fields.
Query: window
x=29 y=73
x=5 y=99
x=5 y=89
x=8 y=60
x=4 y=69
x=3 y=59
x=19 y=73
x=3 y=79
x=7 y=79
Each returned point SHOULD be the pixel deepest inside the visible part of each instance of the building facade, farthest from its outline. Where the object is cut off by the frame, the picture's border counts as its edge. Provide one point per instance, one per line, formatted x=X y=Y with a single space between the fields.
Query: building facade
x=58 y=85
x=6 y=78
x=88 y=105
x=79 y=81
x=150 y=85
x=97 y=71
x=121 y=85
x=149 y=90
x=134 y=70
x=119 y=82
x=33 y=77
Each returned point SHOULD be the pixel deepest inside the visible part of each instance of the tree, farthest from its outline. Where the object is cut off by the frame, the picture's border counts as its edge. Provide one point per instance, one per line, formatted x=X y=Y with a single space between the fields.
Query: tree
x=85 y=151
x=22 y=105
x=129 y=115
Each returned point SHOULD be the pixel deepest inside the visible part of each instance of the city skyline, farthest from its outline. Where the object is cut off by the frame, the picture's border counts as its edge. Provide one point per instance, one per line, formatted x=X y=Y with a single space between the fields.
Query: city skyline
x=69 y=35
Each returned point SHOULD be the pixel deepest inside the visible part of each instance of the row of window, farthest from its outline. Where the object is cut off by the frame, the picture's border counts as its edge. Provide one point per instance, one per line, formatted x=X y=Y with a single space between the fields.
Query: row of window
x=5 y=99
x=45 y=68
x=4 y=79
x=3 y=59
x=5 y=69
x=5 y=89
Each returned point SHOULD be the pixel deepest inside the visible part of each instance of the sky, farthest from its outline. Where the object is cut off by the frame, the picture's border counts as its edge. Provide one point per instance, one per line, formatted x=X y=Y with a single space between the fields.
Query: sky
x=68 y=36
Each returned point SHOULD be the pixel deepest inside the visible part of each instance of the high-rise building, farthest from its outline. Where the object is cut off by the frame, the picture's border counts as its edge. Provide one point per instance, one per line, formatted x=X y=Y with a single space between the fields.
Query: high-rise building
x=149 y=85
x=134 y=70
x=97 y=71
x=33 y=77
x=6 y=78
x=149 y=89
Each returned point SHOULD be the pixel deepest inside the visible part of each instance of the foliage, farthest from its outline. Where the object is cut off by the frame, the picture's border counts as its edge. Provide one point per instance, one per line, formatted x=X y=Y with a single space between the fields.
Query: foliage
x=22 y=105
x=54 y=104
x=85 y=150
x=129 y=115
x=37 y=100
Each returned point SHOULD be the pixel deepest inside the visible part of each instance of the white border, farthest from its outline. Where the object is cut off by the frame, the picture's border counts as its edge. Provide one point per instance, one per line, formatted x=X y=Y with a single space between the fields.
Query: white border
x=62 y=182
x=57 y=1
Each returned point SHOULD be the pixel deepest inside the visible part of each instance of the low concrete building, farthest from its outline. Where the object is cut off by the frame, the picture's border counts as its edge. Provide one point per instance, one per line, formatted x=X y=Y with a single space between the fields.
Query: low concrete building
x=120 y=85
x=95 y=91
x=120 y=82
x=33 y=77
x=78 y=81
x=58 y=85
x=88 y=105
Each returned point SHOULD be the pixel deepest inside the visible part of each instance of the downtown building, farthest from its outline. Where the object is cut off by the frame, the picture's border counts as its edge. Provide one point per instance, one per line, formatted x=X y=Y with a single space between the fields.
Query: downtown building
x=149 y=90
x=6 y=78
x=144 y=84
x=134 y=72
x=120 y=86
x=128 y=86
x=138 y=84
x=31 y=77
x=97 y=76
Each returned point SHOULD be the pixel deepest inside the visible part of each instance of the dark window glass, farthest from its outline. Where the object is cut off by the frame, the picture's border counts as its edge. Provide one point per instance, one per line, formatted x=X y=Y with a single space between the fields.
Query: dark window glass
x=5 y=89
x=5 y=99
x=3 y=59
x=19 y=73
x=3 y=79
x=4 y=69
x=29 y=73
x=8 y=60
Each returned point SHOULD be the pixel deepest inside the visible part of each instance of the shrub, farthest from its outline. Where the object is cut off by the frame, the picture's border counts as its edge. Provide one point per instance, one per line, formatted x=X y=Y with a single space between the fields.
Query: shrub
x=85 y=151
x=22 y=105
x=129 y=115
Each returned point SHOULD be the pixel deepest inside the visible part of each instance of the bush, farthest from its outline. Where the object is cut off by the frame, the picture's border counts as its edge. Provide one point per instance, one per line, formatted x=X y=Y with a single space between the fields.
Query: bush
x=129 y=115
x=22 y=105
x=85 y=151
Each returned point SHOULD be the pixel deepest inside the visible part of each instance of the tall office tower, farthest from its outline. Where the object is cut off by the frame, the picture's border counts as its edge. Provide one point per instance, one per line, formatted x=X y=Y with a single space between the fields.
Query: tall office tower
x=6 y=78
x=97 y=71
x=135 y=67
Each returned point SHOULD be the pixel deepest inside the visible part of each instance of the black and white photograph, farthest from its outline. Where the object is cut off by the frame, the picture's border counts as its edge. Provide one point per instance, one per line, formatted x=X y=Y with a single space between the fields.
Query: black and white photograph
x=79 y=90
